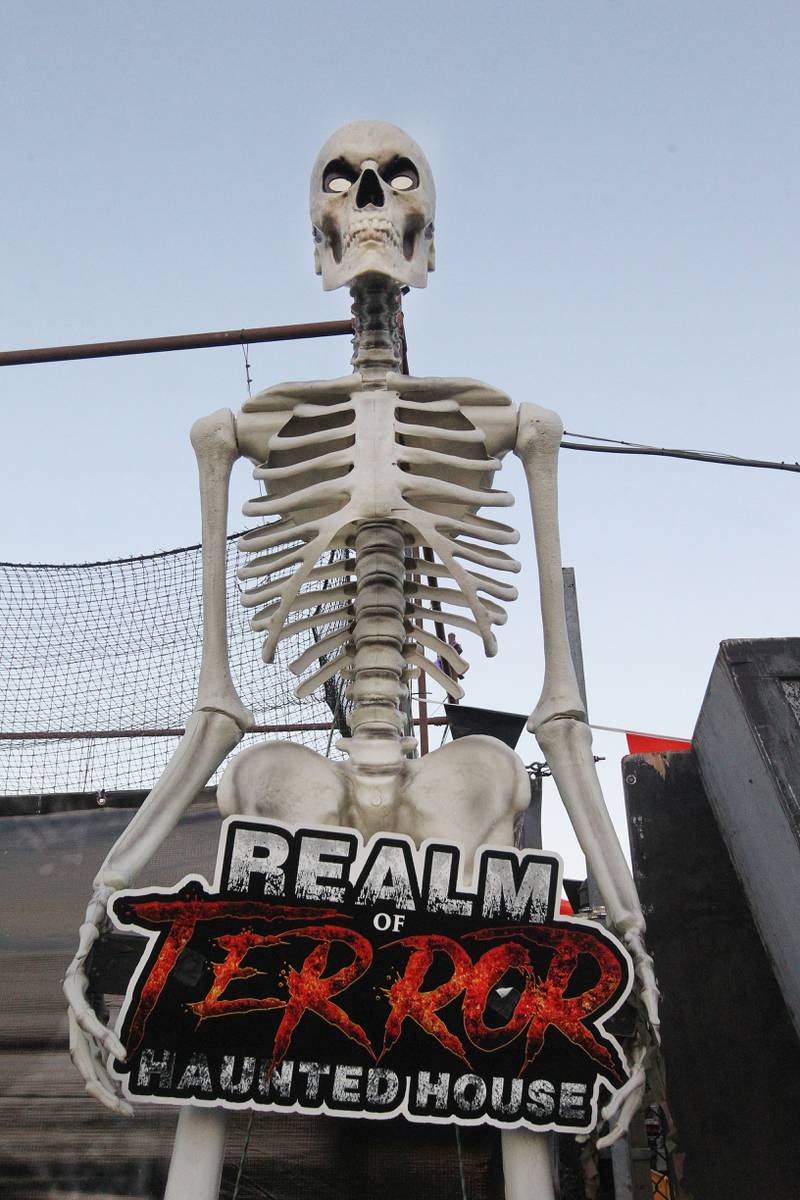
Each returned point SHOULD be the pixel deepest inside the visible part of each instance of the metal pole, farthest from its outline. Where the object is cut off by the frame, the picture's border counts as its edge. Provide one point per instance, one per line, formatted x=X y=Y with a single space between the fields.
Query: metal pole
x=576 y=649
x=184 y=341
x=422 y=705
x=427 y=554
x=574 y=630
x=532 y=820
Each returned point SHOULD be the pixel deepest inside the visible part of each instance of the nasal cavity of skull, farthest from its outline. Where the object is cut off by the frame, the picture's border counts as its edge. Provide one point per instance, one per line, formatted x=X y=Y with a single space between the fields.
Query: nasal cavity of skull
x=370 y=190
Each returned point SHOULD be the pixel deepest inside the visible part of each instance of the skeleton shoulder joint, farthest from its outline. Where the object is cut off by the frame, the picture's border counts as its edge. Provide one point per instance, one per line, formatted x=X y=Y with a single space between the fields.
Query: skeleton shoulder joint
x=539 y=431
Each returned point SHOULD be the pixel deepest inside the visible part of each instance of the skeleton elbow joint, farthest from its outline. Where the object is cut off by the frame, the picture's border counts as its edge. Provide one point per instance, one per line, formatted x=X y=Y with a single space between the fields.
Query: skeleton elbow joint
x=555 y=717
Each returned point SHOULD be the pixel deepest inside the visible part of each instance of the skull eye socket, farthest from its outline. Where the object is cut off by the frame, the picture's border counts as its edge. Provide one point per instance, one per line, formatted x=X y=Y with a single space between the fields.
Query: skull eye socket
x=402 y=175
x=338 y=177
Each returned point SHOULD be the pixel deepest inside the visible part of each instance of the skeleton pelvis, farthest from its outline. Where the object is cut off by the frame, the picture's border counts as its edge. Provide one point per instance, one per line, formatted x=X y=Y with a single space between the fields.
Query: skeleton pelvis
x=469 y=791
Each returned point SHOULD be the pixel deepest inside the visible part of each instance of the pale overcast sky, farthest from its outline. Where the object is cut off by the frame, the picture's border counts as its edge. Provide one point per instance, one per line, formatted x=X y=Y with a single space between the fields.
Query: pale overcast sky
x=617 y=239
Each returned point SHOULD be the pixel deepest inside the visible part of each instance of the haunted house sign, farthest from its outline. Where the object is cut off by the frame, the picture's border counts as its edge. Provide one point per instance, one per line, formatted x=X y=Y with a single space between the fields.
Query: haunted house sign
x=320 y=974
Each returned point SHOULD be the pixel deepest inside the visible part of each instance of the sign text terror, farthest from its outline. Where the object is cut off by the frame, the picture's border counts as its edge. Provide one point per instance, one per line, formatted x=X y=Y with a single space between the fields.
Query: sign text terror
x=322 y=974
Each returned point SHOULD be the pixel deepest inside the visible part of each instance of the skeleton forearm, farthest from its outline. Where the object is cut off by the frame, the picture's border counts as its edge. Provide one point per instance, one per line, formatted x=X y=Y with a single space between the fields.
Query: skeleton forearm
x=209 y=738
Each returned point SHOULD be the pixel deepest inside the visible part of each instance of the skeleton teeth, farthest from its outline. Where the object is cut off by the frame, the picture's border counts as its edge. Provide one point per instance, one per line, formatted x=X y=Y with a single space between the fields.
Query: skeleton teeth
x=369 y=231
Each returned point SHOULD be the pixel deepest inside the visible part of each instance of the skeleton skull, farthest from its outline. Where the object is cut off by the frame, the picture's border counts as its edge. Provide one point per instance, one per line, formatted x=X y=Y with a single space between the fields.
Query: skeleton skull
x=372 y=207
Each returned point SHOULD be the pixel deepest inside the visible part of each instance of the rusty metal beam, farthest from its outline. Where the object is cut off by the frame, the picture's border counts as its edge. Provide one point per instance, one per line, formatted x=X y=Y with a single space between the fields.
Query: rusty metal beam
x=46 y=735
x=184 y=341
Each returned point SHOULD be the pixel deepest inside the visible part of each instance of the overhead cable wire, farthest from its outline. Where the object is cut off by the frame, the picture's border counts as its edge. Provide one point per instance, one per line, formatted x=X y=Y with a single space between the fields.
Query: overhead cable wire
x=278 y=333
x=615 y=446
x=657 y=737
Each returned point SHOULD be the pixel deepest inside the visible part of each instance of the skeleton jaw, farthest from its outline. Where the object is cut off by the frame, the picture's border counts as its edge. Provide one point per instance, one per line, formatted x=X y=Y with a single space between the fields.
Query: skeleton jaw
x=370 y=245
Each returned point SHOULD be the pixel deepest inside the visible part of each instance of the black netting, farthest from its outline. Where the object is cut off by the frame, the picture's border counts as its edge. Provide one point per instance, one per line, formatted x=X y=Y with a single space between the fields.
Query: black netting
x=115 y=648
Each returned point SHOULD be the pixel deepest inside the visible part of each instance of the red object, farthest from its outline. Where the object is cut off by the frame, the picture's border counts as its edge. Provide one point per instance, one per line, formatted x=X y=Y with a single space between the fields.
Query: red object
x=566 y=909
x=642 y=743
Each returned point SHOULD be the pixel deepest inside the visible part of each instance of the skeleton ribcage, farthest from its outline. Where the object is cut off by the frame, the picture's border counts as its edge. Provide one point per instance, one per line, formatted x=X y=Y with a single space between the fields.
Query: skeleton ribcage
x=376 y=457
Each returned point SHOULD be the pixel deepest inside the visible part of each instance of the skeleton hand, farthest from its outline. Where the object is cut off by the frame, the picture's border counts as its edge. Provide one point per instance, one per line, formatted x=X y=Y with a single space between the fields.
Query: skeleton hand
x=642 y=1053
x=90 y=1041
x=647 y=987
x=643 y=1061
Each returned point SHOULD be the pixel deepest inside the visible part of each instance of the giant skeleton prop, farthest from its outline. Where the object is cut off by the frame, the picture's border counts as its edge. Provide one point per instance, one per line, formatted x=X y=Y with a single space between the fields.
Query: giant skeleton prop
x=377 y=463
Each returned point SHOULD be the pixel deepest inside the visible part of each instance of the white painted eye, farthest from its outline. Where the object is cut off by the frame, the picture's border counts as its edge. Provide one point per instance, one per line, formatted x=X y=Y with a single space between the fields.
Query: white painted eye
x=403 y=183
x=338 y=184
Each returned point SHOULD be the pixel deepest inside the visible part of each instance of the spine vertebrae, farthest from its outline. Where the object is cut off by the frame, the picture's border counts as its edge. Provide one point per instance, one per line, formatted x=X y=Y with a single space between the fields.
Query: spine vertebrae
x=377 y=342
x=377 y=689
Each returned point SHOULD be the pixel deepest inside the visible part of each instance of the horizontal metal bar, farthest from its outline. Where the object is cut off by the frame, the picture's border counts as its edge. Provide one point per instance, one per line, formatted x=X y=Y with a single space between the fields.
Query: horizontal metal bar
x=184 y=341
x=78 y=735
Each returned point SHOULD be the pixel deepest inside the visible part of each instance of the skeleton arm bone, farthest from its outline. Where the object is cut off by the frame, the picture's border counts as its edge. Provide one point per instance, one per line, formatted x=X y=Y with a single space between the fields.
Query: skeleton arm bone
x=219 y=718
x=559 y=719
x=214 y=728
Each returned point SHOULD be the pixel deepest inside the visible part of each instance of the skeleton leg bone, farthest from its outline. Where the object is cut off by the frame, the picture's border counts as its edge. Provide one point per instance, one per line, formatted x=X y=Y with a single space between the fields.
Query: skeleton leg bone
x=199 y=1154
x=527 y=1165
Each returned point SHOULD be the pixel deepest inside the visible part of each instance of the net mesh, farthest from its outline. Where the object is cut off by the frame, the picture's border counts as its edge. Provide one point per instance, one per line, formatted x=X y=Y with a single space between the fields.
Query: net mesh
x=114 y=648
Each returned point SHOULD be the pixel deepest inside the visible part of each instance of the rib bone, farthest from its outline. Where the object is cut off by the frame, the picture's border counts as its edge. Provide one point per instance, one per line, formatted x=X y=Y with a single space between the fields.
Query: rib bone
x=407 y=455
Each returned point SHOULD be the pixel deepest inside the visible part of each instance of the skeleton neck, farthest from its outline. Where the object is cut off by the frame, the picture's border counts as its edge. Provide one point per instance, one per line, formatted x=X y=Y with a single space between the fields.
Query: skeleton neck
x=377 y=344
x=377 y=687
